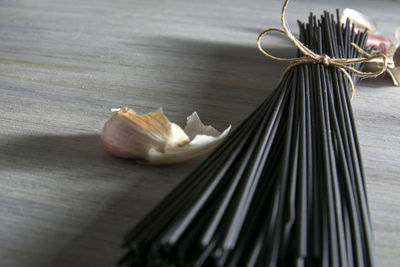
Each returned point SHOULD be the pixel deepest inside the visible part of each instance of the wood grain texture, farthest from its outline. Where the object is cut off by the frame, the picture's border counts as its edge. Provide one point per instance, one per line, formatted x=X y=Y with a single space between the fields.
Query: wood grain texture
x=64 y=64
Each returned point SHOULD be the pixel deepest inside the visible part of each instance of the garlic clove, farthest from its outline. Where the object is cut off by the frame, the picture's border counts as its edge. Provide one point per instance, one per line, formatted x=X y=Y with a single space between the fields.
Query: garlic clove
x=129 y=135
x=153 y=139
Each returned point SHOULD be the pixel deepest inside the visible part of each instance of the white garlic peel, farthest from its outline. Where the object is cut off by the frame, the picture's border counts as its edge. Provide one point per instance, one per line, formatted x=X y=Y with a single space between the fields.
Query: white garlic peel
x=153 y=139
x=358 y=18
x=203 y=140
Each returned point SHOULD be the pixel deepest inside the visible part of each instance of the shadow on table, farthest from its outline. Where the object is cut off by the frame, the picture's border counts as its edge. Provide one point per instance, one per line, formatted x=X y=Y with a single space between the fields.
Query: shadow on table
x=226 y=81
x=80 y=154
x=92 y=197
x=377 y=82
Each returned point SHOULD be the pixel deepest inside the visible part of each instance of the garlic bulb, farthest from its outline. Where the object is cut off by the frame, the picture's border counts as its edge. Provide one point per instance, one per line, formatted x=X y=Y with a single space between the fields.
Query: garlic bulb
x=378 y=43
x=363 y=22
x=153 y=139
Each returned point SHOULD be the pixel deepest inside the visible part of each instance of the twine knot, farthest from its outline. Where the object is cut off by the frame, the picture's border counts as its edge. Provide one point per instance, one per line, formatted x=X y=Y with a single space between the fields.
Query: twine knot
x=343 y=64
x=325 y=59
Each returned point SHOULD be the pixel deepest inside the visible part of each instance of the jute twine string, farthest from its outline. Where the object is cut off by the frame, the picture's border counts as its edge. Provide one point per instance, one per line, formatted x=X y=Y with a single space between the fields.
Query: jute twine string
x=312 y=57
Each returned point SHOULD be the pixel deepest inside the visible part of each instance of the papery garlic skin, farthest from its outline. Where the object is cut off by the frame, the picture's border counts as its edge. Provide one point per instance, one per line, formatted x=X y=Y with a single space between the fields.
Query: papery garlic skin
x=200 y=145
x=128 y=135
x=204 y=138
x=153 y=139
x=361 y=20
x=194 y=126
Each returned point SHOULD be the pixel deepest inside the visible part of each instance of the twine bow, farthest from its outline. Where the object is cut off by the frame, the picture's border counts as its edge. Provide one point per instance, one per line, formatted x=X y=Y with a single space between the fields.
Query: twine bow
x=312 y=57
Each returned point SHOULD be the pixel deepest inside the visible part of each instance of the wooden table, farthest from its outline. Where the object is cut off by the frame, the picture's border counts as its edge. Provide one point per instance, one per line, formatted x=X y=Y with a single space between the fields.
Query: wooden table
x=65 y=64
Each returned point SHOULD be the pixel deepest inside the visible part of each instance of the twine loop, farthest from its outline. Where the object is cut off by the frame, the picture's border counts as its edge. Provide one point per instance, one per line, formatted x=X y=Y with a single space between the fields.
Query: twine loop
x=343 y=64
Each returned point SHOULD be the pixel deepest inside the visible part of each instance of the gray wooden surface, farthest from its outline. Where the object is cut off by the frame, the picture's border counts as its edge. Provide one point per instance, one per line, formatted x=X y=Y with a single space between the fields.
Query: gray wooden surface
x=64 y=64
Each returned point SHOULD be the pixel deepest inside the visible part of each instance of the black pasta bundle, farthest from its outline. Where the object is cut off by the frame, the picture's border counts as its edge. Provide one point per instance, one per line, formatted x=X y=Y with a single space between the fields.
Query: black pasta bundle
x=285 y=189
